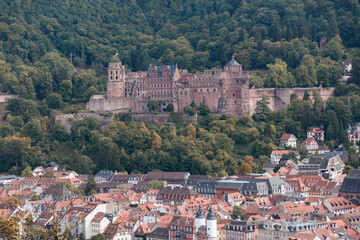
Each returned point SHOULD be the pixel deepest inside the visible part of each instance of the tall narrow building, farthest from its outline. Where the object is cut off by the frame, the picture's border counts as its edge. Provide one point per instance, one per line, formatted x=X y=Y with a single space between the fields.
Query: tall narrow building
x=211 y=225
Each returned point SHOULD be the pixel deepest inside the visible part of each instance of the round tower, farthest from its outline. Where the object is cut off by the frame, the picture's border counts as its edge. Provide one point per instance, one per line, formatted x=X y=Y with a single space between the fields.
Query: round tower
x=116 y=80
x=211 y=225
x=199 y=219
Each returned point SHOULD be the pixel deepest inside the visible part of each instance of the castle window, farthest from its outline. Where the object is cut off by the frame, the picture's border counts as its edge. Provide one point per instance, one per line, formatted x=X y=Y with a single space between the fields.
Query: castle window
x=235 y=102
x=214 y=90
x=116 y=77
x=233 y=94
x=195 y=90
x=116 y=72
x=111 y=72
x=200 y=90
x=207 y=89
x=111 y=77
x=237 y=81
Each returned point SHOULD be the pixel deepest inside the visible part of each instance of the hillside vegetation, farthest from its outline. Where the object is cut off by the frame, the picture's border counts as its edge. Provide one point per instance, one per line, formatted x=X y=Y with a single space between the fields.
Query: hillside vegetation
x=196 y=34
x=281 y=36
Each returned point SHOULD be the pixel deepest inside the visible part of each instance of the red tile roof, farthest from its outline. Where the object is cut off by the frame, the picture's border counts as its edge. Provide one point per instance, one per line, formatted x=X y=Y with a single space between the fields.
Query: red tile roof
x=286 y=137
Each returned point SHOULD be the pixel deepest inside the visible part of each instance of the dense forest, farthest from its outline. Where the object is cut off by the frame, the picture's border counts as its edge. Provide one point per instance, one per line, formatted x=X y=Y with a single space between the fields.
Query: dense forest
x=279 y=36
x=283 y=36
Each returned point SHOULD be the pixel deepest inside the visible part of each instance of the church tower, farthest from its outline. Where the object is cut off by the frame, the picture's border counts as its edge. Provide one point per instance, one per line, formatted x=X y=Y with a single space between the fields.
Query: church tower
x=116 y=80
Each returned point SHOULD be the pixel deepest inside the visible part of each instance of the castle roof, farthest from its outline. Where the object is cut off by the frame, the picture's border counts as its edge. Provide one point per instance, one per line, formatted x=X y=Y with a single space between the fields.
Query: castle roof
x=160 y=69
x=232 y=62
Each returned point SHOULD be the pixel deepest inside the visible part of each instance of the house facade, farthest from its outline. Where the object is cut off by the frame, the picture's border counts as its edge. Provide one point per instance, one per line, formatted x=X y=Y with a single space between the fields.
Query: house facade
x=354 y=133
x=288 y=140
x=316 y=132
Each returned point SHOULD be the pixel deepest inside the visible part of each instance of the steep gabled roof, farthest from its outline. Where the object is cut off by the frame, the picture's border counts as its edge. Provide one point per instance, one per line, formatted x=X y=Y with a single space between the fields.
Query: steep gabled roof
x=308 y=141
x=286 y=137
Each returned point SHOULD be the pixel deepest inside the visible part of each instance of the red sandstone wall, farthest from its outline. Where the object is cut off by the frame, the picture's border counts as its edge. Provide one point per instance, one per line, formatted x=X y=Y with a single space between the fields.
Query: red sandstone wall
x=280 y=97
x=210 y=98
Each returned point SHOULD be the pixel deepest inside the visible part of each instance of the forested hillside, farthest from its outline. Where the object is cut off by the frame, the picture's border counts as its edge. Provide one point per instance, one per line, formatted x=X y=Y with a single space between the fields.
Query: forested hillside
x=196 y=34
x=280 y=36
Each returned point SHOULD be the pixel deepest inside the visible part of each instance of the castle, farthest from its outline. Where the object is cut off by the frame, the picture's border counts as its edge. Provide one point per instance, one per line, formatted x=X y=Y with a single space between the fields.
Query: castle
x=222 y=90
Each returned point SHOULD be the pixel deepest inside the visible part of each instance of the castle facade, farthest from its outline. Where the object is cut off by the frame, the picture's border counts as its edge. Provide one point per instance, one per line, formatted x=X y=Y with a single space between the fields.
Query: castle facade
x=222 y=90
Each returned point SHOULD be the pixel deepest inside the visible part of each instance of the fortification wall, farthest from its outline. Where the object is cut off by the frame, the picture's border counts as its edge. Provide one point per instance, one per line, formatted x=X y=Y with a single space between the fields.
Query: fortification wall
x=101 y=103
x=163 y=118
x=105 y=119
x=6 y=97
x=68 y=119
x=209 y=96
x=280 y=97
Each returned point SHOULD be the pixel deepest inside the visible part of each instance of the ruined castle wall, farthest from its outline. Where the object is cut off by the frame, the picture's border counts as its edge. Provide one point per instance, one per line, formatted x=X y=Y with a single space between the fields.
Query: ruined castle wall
x=162 y=118
x=101 y=103
x=183 y=100
x=96 y=103
x=208 y=96
x=255 y=95
x=280 y=97
x=68 y=119
x=206 y=89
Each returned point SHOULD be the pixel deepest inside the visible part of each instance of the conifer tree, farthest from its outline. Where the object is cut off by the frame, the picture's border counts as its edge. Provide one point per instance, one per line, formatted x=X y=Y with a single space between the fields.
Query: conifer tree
x=91 y=188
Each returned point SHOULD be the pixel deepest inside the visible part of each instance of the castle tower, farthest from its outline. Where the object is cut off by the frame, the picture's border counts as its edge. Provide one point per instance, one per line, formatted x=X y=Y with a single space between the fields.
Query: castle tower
x=199 y=219
x=116 y=80
x=211 y=225
x=233 y=66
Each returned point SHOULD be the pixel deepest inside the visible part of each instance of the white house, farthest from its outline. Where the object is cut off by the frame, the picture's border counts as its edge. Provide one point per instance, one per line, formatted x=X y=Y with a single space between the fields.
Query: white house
x=235 y=198
x=317 y=133
x=310 y=144
x=99 y=223
x=347 y=67
x=288 y=140
x=117 y=232
x=277 y=155
x=354 y=133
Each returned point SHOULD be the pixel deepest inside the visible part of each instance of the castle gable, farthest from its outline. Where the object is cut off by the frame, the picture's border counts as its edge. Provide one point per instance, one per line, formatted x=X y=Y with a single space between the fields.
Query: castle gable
x=163 y=70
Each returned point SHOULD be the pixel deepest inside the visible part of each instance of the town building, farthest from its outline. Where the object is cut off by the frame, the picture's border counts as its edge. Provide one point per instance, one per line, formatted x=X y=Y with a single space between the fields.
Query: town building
x=288 y=140
x=277 y=155
x=329 y=166
x=316 y=132
x=350 y=188
x=310 y=144
x=246 y=186
x=174 y=178
x=175 y=195
x=240 y=229
x=283 y=230
x=354 y=133
x=338 y=205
